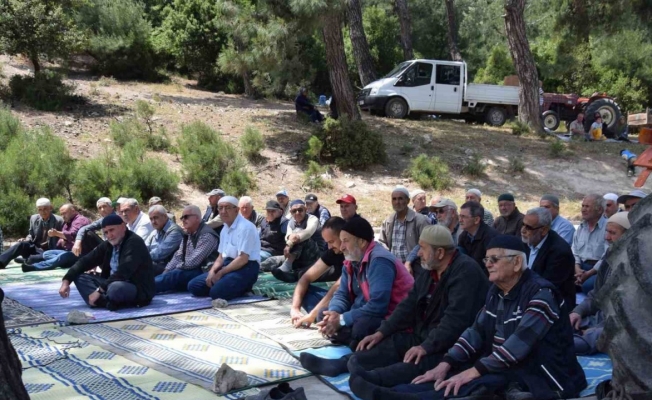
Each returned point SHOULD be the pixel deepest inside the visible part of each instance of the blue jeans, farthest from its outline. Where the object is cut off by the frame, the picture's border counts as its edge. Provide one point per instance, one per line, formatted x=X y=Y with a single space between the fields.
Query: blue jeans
x=588 y=284
x=313 y=296
x=176 y=280
x=232 y=285
x=264 y=255
x=56 y=258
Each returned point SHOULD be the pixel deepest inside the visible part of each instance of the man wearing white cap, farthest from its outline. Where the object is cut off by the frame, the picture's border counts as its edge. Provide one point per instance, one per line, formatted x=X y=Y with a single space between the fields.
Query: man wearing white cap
x=86 y=239
x=629 y=200
x=37 y=240
x=212 y=216
x=611 y=205
x=284 y=200
x=476 y=195
x=420 y=205
x=236 y=269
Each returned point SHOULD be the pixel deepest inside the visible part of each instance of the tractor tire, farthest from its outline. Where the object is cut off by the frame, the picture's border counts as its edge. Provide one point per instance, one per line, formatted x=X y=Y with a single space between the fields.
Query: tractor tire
x=396 y=108
x=550 y=120
x=496 y=116
x=608 y=108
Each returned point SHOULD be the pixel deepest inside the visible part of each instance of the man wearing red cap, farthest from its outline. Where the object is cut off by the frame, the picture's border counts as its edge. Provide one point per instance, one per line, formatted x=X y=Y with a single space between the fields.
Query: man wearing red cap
x=348 y=207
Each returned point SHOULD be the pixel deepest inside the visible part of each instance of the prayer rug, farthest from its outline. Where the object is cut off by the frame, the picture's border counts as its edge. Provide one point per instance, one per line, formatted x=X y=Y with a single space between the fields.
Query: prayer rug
x=340 y=382
x=59 y=366
x=16 y=314
x=192 y=346
x=272 y=319
x=271 y=287
x=13 y=274
x=45 y=297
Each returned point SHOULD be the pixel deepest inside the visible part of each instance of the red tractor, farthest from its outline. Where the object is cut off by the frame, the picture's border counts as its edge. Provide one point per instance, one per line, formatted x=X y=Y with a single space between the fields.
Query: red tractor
x=565 y=107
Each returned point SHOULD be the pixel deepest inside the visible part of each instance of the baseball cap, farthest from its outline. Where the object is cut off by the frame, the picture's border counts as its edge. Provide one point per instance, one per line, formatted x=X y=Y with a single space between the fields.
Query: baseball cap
x=311 y=198
x=443 y=202
x=154 y=200
x=282 y=193
x=633 y=194
x=273 y=205
x=216 y=192
x=347 y=199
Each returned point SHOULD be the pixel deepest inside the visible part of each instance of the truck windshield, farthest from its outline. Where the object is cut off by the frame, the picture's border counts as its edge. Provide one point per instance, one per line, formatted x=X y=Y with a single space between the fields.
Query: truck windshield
x=398 y=69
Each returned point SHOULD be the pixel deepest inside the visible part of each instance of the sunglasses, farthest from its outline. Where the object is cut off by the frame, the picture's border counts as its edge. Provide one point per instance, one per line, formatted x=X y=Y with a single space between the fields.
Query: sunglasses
x=494 y=259
x=298 y=210
x=185 y=217
x=531 y=228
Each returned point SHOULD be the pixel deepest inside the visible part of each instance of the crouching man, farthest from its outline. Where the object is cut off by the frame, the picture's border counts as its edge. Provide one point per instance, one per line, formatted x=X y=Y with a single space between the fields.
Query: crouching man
x=127 y=278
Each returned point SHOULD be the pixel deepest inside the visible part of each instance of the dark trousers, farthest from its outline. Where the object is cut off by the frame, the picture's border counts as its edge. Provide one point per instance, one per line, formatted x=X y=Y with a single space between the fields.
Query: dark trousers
x=426 y=391
x=118 y=294
x=312 y=298
x=385 y=360
x=20 y=249
x=232 y=285
x=352 y=335
x=176 y=280
x=587 y=286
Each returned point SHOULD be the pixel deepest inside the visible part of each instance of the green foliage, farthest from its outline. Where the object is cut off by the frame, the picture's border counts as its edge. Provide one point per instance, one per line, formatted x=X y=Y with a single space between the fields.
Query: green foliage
x=9 y=127
x=315 y=147
x=209 y=162
x=252 y=143
x=406 y=149
x=351 y=144
x=106 y=81
x=557 y=149
x=313 y=177
x=15 y=207
x=516 y=166
x=140 y=127
x=499 y=65
x=474 y=166
x=519 y=127
x=430 y=173
x=43 y=91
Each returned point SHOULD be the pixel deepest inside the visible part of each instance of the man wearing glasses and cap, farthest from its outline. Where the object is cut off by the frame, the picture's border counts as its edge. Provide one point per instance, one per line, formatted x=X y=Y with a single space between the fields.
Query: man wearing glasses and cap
x=316 y=209
x=212 y=216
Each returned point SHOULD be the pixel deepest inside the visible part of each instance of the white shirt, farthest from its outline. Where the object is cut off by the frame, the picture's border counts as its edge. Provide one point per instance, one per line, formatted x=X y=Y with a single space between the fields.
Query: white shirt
x=141 y=226
x=240 y=237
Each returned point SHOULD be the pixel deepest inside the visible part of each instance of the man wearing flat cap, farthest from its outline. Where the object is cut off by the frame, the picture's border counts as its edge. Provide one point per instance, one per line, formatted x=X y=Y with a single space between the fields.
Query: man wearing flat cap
x=511 y=219
x=316 y=209
x=127 y=278
x=520 y=345
x=440 y=306
x=373 y=283
x=272 y=233
x=559 y=224
x=212 y=216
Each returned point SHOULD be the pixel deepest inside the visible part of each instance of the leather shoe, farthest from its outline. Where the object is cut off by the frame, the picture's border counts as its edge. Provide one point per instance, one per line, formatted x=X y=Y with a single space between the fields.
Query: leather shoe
x=28 y=267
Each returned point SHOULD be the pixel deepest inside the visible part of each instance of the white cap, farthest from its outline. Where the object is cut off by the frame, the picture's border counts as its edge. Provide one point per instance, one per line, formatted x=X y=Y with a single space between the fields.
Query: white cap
x=43 y=202
x=475 y=192
x=611 y=196
x=416 y=193
x=229 y=200
x=401 y=189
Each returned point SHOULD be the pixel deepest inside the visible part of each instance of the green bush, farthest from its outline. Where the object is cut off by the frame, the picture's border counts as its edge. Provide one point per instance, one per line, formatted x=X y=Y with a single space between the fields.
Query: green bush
x=43 y=91
x=252 y=143
x=516 y=165
x=558 y=149
x=210 y=162
x=474 y=167
x=15 y=209
x=351 y=144
x=97 y=177
x=519 y=128
x=430 y=172
x=10 y=127
x=313 y=177
x=140 y=127
x=314 y=148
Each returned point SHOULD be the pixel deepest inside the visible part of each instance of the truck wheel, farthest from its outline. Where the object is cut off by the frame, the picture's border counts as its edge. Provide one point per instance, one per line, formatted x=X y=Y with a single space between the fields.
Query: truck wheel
x=551 y=120
x=496 y=116
x=608 y=109
x=396 y=108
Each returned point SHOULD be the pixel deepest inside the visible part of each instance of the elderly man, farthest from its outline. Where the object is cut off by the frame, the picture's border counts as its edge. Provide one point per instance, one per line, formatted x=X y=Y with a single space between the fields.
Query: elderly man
x=475 y=235
x=272 y=234
x=440 y=306
x=348 y=207
x=198 y=248
x=589 y=244
x=316 y=209
x=136 y=220
x=401 y=230
x=476 y=195
x=246 y=205
x=62 y=256
x=373 y=283
x=520 y=345
x=587 y=318
x=127 y=278
x=212 y=216
x=629 y=200
x=236 y=269
x=86 y=239
x=328 y=268
x=549 y=254
x=511 y=219
x=156 y=201
x=577 y=127
x=37 y=240
x=164 y=240
x=611 y=204
x=420 y=206
x=559 y=224
x=284 y=200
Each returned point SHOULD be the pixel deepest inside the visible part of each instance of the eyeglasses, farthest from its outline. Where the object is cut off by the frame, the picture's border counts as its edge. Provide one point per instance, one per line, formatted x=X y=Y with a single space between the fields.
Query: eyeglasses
x=298 y=210
x=531 y=228
x=225 y=208
x=438 y=210
x=494 y=259
x=185 y=217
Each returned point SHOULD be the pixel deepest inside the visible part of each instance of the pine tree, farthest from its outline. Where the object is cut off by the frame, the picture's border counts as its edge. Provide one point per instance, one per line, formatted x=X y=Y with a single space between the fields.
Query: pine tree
x=361 y=52
x=403 y=11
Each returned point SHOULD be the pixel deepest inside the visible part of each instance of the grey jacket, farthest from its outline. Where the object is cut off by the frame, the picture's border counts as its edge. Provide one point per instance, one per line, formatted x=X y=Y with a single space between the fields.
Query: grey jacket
x=415 y=224
x=37 y=227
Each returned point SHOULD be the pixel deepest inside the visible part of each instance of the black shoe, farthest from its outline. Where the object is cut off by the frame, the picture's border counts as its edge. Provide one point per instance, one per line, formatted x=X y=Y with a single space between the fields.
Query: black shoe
x=289 y=277
x=20 y=260
x=28 y=267
x=515 y=392
x=481 y=393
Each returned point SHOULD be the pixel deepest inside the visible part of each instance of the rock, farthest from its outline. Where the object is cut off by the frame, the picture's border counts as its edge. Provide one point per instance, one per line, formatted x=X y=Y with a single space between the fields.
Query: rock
x=108 y=140
x=325 y=176
x=79 y=317
x=350 y=184
x=427 y=139
x=68 y=123
x=221 y=93
x=95 y=114
x=227 y=379
x=468 y=152
x=219 y=303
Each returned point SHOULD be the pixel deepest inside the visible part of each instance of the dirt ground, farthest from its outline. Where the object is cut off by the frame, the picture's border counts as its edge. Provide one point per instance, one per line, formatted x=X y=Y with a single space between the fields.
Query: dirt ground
x=589 y=167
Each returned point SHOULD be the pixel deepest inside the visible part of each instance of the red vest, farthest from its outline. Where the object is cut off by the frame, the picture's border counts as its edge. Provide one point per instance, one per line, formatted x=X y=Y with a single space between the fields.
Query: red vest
x=403 y=281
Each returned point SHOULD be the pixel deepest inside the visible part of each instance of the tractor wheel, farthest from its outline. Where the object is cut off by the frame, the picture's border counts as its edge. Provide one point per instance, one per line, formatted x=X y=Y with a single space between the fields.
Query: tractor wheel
x=608 y=109
x=551 y=120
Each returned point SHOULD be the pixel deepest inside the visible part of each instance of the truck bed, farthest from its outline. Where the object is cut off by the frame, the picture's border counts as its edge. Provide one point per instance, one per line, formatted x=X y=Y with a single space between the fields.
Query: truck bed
x=491 y=94
x=640 y=119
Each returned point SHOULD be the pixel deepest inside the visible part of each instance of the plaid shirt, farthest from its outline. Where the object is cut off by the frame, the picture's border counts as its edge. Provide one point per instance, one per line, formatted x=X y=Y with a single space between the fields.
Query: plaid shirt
x=399 y=248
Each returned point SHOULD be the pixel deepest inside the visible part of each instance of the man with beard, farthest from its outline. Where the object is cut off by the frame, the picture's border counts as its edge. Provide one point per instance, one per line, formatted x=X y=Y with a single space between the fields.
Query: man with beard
x=511 y=219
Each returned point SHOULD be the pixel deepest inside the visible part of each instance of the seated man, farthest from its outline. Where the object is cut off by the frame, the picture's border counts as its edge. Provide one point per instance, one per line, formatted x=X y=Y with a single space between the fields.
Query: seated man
x=476 y=235
x=164 y=240
x=198 y=249
x=577 y=127
x=136 y=220
x=37 y=240
x=236 y=269
x=511 y=219
x=316 y=209
x=476 y=195
x=246 y=205
x=284 y=200
x=156 y=201
x=631 y=199
x=419 y=204
x=328 y=268
x=611 y=204
x=62 y=256
x=212 y=216
x=560 y=225
x=520 y=345
x=440 y=306
x=304 y=106
x=272 y=234
x=586 y=318
x=348 y=207
x=373 y=283
x=86 y=238
x=302 y=248
x=127 y=278
x=588 y=243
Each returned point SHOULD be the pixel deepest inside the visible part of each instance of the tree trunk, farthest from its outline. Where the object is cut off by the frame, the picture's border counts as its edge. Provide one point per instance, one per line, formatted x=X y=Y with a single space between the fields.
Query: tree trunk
x=11 y=383
x=35 y=62
x=452 y=31
x=337 y=69
x=403 y=12
x=361 y=51
x=519 y=47
x=246 y=78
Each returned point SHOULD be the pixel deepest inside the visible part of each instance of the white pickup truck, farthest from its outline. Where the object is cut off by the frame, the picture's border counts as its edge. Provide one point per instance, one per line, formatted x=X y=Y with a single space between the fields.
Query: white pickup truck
x=441 y=88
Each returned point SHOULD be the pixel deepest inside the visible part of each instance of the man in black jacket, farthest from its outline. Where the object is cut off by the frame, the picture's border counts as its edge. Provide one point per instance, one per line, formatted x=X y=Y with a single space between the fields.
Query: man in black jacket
x=441 y=305
x=127 y=278
x=550 y=255
x=476 y=234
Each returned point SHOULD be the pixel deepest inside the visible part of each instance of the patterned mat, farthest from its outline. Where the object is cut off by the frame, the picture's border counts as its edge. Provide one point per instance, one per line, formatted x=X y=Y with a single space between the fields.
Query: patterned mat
x=85 y=371
x=16 y=314
x=271 y=287
x=192 y=346
x=272 y=319
x=13 y=274
x=49 y=302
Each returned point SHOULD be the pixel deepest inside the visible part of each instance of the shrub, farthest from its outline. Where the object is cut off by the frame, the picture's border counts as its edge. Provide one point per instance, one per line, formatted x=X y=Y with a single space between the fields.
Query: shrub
x=97 y=178
x=140 y=127
x=351 y=144
x=15 y=209
x=252 y=143
x=210 y=162
x=406 y=149
x=474 y=166
x=9 y=127
x=315 y=147
x=430 y=172
x=106 y=81
x=516 y=165
x=313 y=177
x=43 y=91
x=558 y=149
x=519 y=128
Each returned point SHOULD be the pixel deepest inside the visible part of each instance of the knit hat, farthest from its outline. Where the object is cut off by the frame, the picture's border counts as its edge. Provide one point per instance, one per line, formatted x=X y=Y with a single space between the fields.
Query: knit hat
x=297 y=202
x=111 y=219
x=620 y=218
x=361 y=228
x=611 y=196
x=402 y=189
x=437 y=235
x=551 y=198
x=475 y=192
x=229 y=200
x=416 y=193
x=508 y=242
x=43 y=202
x=506 y=197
